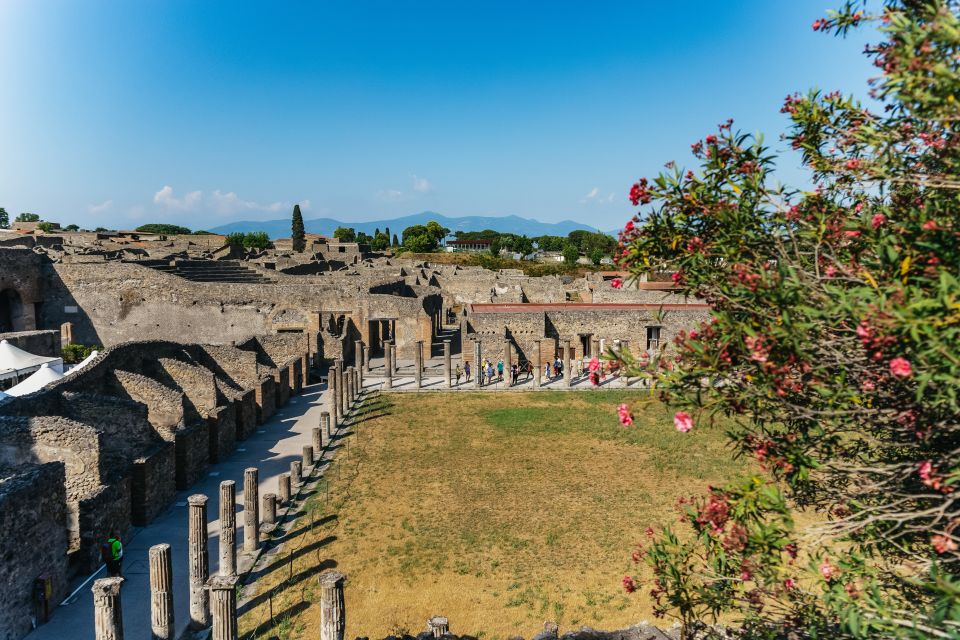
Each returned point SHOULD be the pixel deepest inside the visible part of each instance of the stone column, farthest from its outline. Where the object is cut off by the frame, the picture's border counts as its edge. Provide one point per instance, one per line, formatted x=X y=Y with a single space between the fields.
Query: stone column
x=318 y=441
x=341 y=391
x=333 y=393
x=595 y=347
x=307 y=456
x=507 y=361
x=477 y=364
x=283 y=488
x=393 y=357
x=387 y=366
x=296 y=473
x=438 y=625
x=161 y=592
x=566 y=363
x=199 y=559
x=358 y=372
x=107 y=613
x=358 y=354
x=332 y=614
x=447 y=373
x=228 y=528
x=351 y=392
x=251 y=509
x=269 y=508
x=538 y=369
x=418 y=363
x=624 y=378
x=366 y=358
x=325 y=425
x=223 y=606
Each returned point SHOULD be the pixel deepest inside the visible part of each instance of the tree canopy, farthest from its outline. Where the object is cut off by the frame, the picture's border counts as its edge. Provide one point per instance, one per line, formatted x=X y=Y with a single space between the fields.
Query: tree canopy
x=163 y=228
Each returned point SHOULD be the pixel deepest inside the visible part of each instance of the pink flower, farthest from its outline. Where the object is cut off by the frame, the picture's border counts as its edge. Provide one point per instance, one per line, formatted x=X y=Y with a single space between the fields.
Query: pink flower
x=759 y=351
x=851 y=234
x=629 y=585
x=682 y=421
x=925 y=470
x=900 y=367
x=877 y=220
x=616 y=283
x=594 y=365
x=789 y=583
x=930 y=225
x=649 y=532
x=626 y=418
x=827 y=570
x=628 y=226
x=943 y=544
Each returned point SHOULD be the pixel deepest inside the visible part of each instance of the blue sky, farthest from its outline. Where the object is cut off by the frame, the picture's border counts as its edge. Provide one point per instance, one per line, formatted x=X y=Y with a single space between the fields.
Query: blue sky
x=116 y=113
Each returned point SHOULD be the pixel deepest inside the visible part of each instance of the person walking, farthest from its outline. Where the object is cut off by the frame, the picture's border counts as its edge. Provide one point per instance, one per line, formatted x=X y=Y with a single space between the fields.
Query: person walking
x=489 y=373
x=500 y=370
x=529 y=370
x=466 y=370
x=112 y=553
x=546 y=370
x=458 y=372
x=515 y=374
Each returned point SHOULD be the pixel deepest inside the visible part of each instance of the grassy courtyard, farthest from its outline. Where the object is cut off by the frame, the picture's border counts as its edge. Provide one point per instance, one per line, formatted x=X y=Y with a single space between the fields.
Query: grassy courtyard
x=499 y=511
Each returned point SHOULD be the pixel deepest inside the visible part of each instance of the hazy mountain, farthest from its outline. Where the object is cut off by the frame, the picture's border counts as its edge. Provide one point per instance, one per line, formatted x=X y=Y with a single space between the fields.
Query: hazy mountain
x=325 y=226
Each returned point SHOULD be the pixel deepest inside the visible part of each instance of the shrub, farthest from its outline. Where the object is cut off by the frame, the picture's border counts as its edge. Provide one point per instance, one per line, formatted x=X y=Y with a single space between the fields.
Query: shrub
x=74 y=353
x=834 y=342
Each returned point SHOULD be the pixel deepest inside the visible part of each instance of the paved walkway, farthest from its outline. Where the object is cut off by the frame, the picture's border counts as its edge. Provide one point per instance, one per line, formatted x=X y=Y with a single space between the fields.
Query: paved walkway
x=271 y=449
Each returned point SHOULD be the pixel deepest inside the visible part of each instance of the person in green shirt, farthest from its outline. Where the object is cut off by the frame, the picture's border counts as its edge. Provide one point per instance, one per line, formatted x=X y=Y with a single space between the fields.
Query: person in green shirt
x=112 y=554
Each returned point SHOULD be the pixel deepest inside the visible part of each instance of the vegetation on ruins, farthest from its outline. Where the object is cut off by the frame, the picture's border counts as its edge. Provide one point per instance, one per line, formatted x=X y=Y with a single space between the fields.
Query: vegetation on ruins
x=4 y=218
x=163 y=229
x=519 y=518
x=74 y=353
x=297 y=232
x=46 y=227
x=28 y=217
x=72 y=227
x=834 y=345
x=251 y=240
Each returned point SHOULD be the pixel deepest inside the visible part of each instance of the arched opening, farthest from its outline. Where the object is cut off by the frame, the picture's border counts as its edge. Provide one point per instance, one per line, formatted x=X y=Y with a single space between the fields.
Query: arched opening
x=11 y=311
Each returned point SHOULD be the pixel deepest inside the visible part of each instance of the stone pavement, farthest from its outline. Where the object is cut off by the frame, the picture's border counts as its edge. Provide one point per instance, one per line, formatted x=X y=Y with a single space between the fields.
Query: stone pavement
x=271 y=449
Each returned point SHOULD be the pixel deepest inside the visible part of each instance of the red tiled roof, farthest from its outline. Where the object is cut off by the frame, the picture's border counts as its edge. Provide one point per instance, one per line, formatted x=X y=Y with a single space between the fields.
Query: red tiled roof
x=585 y=306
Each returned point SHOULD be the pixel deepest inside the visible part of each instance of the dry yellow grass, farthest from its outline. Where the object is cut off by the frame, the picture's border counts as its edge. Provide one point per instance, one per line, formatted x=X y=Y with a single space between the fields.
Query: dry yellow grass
x=499 y=511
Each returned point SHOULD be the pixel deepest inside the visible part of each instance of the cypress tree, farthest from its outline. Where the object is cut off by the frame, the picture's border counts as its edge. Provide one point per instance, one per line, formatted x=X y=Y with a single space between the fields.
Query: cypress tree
x=298 y=234
x=396 y=243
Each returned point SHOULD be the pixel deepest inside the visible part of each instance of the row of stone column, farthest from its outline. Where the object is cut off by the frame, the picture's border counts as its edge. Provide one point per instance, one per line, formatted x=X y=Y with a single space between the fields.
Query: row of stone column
x=208 y=594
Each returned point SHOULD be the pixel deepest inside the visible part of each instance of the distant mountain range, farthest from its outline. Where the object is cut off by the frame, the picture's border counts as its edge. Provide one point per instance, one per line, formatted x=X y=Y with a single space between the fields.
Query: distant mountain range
x=325 y=226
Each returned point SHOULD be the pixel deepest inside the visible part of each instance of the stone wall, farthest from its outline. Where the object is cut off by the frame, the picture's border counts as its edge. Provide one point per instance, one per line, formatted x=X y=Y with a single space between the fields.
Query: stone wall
x=39 y=343
x=33 y=516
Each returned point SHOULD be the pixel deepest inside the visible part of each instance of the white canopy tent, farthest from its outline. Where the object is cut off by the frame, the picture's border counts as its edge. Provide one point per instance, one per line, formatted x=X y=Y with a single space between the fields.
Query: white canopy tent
x=82 y=363
x=17 y=363
x=37 y=380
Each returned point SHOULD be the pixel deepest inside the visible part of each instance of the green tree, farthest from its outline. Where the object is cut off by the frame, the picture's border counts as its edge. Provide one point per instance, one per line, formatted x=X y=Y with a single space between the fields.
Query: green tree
x=437 y=231
x=596 y=256
x=523 y=245
x=396 y=242
x=163 y=229
x=298 y=233
x=46 y=227
x=570 y=254
x=380 y=241
x=4 y=218
x=200 y=232
x=71 y=227
x=363 y=238
x=100 y=230
x=419 y=239
x=345 y=234
x=252 y=240
x=28 y=217
x=495 y=247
